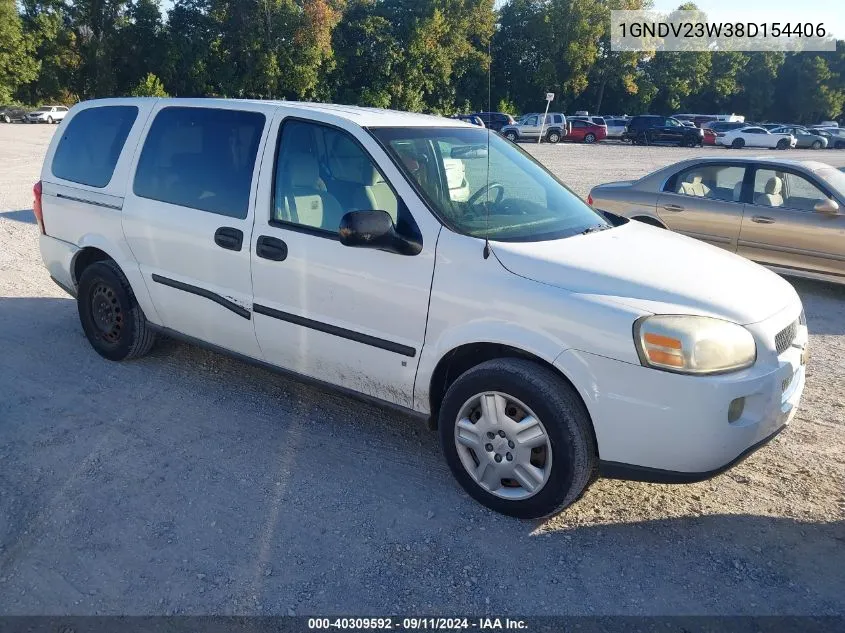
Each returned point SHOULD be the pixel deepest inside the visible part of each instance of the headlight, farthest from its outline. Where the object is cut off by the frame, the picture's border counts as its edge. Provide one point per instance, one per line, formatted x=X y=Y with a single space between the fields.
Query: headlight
x=693 y=344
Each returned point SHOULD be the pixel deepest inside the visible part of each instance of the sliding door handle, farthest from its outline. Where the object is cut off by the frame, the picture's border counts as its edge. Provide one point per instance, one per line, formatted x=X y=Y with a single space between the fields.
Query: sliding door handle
x=271 y=248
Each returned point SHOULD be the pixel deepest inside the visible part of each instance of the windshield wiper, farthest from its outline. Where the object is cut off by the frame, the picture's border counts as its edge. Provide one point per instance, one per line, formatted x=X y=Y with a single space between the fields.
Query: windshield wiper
x=594 y=229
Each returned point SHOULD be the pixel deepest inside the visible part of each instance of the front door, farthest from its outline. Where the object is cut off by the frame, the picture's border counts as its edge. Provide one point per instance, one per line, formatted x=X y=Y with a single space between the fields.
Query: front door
x=705 y=202
x=351 y=317
x=780 y=227
x=188 y=218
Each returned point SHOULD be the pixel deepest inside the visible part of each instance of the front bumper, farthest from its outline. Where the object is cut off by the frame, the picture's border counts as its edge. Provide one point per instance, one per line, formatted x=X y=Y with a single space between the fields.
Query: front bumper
x=657 y=426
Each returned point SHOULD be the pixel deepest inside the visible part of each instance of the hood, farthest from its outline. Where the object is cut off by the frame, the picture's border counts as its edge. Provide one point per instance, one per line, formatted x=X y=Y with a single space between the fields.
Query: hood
x=653 y=270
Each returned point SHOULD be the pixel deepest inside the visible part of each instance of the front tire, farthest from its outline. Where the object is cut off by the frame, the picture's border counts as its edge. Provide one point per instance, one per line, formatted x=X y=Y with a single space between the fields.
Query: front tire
x=110 y=315
x=7 y=118
x=782 y=144
x=518 y=438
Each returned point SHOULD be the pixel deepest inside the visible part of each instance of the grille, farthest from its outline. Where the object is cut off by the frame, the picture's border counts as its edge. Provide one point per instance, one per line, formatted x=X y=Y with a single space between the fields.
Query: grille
x=785 y=337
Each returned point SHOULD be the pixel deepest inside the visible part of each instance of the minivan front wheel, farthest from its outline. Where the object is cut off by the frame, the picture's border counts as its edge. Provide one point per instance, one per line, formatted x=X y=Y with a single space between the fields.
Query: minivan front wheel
x=518 y=438
x=110 y=315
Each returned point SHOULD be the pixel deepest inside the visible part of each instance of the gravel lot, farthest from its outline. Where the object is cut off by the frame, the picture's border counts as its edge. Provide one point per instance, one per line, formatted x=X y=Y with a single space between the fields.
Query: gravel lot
x=190 y=483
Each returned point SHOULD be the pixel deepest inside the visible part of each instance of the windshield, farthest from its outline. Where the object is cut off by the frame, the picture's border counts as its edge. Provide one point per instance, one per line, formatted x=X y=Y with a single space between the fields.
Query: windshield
x=517 y=200
x=835 y=178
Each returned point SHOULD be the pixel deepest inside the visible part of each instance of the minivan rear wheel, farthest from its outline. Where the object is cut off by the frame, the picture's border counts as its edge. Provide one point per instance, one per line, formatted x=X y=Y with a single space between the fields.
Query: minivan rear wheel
x=110 y=315
x=518 y=438
x=590 y=138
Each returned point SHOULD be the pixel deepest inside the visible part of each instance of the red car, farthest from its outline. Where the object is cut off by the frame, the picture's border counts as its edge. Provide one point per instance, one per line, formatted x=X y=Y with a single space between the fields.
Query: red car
x=584 y=131
x=709 y=136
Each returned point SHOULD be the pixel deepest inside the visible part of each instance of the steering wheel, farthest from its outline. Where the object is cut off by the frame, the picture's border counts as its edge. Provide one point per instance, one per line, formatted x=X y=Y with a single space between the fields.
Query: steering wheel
x=482 y=193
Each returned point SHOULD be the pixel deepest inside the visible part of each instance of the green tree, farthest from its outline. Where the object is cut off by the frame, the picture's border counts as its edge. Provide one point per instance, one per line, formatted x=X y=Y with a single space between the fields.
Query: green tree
x=17 y=65
x=808 y=90
x=149 y=86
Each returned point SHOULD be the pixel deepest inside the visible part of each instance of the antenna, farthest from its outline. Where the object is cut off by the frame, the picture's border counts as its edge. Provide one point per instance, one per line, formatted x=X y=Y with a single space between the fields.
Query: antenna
x=489 y=118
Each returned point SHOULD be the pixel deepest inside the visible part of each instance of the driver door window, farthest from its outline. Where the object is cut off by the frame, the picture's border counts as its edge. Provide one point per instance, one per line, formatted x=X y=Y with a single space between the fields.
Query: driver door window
x=785 y=189
x=322 y=173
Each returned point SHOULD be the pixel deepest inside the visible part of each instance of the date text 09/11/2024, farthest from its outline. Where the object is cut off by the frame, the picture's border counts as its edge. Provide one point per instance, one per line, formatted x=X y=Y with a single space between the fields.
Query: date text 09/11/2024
x=413 y=624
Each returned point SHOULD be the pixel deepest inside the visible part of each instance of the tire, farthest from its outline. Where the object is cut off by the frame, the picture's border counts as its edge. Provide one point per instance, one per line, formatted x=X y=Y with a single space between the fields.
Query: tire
x=782 y=144
x=590 y=138
x=511 y=136
x=648 y=220
x=110 y=315
x=738 y=143
x=553 y=137
x=643 y=139
x=7 y=118
x=568 y=458
x=816 y=145
x=49 y=120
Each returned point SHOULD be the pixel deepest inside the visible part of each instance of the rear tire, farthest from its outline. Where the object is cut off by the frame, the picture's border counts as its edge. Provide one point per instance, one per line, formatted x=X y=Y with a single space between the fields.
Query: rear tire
x=816 y=145
x=782 y=144
x=511 y=136
x=553 y=137
x=7 y=118
x=49 y=120
x=562 y=467
x=738 y=143
x=590 y=138
x=110 y=315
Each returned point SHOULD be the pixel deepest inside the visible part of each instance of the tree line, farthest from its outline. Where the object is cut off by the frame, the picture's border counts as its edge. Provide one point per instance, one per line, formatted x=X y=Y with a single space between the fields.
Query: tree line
x=439 y=56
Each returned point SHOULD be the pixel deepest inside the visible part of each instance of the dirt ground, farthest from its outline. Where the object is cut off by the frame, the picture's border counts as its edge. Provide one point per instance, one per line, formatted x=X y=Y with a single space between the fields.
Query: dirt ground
x=190 y=483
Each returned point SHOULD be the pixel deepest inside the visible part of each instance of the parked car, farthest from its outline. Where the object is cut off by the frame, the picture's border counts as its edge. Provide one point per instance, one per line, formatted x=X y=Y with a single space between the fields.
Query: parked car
x=803 y=137
x=529 y=128
x=828 y=124
x=46 y=114
x=495 y=120
x=755 y=137
x=786 y=214
x=616 y=127
x=319 y=240
x=9 y=113
x=835 y=136
x=725 y=126
x=581 y=131
x=595 y=120
x=649 y=129
x=469 y=118
x=709 y=136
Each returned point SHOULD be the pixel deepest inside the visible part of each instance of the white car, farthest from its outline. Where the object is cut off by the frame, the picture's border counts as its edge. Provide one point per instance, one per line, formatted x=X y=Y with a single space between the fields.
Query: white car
x=547 y=342
x=753 y=136
x=46 y=114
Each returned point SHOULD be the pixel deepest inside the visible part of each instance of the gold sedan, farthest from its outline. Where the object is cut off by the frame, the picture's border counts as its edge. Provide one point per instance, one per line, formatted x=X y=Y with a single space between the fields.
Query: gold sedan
x=788 y=215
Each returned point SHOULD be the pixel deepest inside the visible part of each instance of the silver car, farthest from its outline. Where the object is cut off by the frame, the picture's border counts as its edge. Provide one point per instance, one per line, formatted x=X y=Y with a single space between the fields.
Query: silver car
x=788 y=215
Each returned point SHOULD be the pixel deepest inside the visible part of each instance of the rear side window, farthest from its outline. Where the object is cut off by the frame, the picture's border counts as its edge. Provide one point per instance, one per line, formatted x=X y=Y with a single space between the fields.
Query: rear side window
x=91 y=144
x=202 y=158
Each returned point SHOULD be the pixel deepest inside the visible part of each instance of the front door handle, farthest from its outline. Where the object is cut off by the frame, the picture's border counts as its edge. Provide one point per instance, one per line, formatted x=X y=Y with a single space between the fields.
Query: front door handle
x=271 y=248
x=673 y=207
x=763 y=219
x=229 y=238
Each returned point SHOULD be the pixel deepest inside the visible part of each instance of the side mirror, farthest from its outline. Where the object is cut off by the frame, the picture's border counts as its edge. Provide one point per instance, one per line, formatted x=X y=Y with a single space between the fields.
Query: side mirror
x=375 y=229
x=827 y=207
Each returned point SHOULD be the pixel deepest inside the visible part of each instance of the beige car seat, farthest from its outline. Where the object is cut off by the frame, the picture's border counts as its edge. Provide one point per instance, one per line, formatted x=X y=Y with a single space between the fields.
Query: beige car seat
x=694 y=187
x=772 y=196
x=356 y=183
x=301 y=200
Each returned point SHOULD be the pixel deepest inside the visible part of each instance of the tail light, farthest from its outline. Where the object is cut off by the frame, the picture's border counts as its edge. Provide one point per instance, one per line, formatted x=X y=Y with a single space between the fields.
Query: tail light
x=36 y=207
x=590 y=199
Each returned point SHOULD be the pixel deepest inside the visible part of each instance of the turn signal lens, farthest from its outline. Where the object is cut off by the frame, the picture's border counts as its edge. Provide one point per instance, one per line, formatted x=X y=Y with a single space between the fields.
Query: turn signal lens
x=693 y=344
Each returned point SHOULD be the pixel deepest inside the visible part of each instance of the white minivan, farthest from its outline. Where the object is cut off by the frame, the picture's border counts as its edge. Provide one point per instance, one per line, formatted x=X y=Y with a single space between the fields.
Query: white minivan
x=549 y=343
